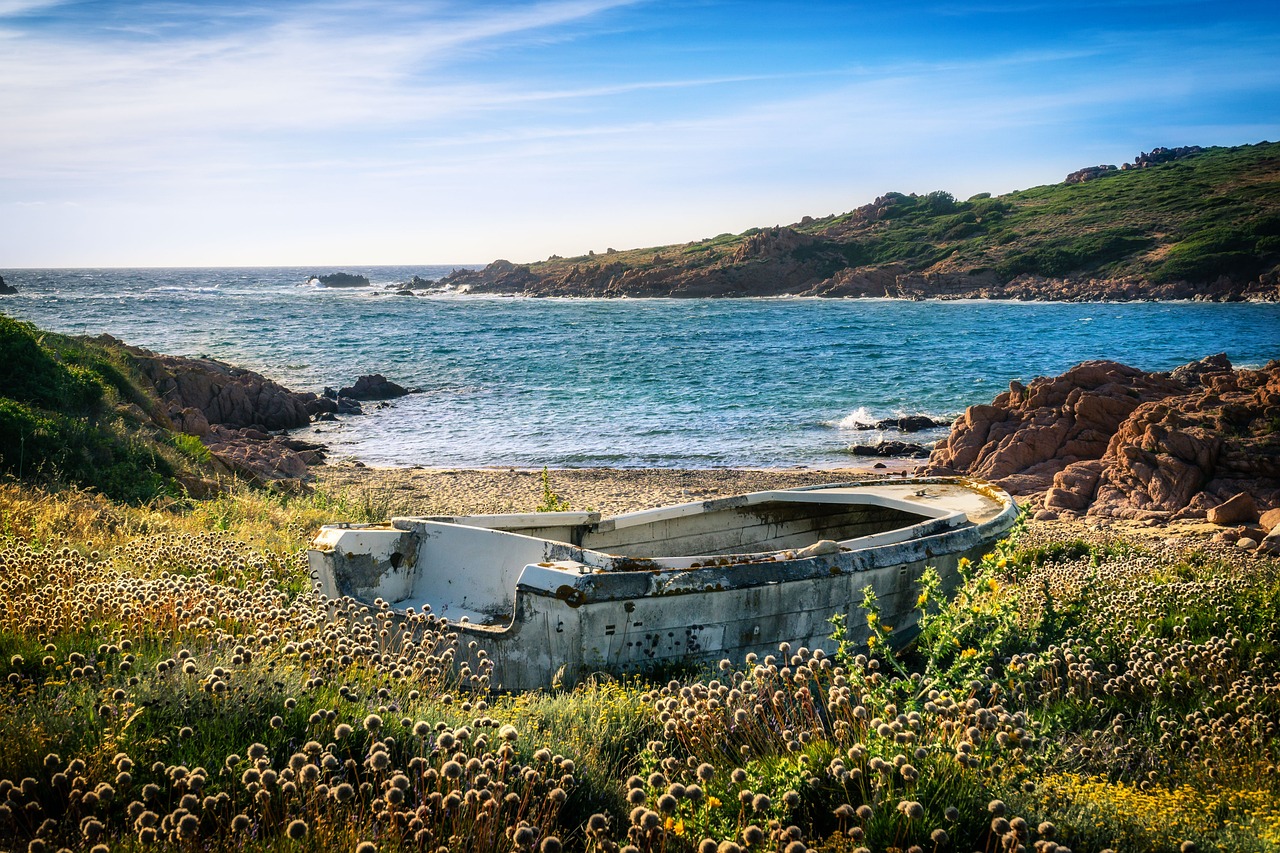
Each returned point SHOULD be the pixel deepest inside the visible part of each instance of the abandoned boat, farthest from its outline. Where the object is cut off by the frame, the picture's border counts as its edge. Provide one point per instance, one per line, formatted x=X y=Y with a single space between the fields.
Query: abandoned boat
x=552 y=597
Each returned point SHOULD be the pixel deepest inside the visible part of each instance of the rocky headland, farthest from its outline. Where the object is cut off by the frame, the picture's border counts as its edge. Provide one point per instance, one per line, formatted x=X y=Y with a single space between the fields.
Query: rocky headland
x=1140 y=232
x=242 y=417
x=1105 y=440
x=6 y=289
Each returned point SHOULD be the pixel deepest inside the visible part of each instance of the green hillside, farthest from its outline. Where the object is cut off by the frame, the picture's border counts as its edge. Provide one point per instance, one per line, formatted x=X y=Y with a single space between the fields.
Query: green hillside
x=76 y=411
x=1204 y=217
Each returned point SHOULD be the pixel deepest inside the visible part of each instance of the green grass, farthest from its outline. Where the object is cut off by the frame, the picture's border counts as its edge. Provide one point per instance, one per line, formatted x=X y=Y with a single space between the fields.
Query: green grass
x=74 y=411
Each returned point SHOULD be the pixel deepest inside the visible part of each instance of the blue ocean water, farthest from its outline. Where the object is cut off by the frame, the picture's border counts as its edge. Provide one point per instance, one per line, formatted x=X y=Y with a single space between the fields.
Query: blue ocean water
x=627 y=383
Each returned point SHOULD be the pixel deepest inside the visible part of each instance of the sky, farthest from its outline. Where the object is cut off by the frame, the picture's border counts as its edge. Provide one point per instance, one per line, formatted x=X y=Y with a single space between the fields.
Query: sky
x=290 y=132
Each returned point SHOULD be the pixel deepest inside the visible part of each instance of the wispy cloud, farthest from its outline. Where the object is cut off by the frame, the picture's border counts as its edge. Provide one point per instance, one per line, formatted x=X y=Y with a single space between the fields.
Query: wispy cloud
x=13 y=8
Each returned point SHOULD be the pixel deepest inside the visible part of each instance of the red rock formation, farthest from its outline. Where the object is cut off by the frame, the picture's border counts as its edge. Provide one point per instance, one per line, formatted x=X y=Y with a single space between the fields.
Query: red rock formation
x=232 y=409
x=1106 y=439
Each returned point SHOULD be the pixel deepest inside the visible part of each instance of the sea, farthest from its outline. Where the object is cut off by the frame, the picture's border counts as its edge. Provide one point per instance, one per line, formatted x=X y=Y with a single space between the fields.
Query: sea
x=676 y=383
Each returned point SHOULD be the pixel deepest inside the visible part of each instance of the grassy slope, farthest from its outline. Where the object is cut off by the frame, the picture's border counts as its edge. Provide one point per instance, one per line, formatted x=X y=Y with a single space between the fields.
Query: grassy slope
x=77 y=411
x=1213 y=213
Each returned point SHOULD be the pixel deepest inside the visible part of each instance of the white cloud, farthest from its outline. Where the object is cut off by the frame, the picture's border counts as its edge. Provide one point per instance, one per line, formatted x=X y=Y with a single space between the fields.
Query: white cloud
x=13 y=8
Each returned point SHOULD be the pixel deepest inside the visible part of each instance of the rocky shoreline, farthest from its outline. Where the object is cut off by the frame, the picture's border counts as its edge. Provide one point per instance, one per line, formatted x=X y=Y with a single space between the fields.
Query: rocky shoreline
x=1103 y=440
x=776 y=271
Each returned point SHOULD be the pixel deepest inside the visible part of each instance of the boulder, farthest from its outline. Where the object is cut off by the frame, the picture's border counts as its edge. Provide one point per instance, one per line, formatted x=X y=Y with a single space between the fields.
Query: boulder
x=909 y=423
x=1270 y=543
x=890 y=448
x=373 y=386
x=1239 y=509
x=1270 y=520
x=6 y=289
x=263 y=459
x=1105 y=439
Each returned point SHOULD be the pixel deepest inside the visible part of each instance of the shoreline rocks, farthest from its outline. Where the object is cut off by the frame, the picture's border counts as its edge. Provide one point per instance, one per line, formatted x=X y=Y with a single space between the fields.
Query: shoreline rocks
x=1105 y=439
x=895 y=449
x=6 y=289
x=241 y=416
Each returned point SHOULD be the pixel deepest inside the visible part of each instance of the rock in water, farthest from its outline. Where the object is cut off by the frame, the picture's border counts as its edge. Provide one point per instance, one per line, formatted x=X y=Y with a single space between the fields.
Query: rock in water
x=341 y=279
x=374 y=386
x=6 y=289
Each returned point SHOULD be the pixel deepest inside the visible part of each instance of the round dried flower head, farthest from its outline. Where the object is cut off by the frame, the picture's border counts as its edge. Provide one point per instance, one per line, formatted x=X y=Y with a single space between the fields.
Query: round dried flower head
x=550 y=844
x=707 y=845
x=752 y=835
x=996 y=807
x=1187 y=847
x=341 y=730
x=188 y=826
x=706 y=772
x=738 y=775
x=635 y=796
x=952 y=814
x=297 y=830
x=366 y=847
x=1046 y=830
x=667 y=803
x=421 y=728
x=372 y=723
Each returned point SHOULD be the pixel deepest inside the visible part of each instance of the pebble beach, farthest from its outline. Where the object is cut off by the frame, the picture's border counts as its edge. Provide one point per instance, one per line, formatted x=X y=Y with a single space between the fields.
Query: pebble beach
x=430 y=491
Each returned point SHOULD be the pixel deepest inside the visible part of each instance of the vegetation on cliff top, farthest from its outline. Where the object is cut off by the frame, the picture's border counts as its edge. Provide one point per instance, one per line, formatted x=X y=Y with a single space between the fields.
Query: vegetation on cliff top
x=1212 y=214
x=77 y=411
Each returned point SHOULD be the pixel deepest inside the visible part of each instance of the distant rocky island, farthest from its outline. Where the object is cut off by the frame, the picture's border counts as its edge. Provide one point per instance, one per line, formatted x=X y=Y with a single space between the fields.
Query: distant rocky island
x=1177 y=223
x=340 y=279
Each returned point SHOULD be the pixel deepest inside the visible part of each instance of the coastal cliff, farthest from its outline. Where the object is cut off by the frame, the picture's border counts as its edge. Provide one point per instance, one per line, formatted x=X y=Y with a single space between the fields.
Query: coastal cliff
x=1185 y=223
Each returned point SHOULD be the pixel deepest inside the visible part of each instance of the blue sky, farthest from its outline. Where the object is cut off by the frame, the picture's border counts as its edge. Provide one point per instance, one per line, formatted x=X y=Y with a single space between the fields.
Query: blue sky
x=339 y=132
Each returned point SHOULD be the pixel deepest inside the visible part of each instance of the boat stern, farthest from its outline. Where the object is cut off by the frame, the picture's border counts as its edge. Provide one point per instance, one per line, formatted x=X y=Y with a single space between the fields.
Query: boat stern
x=366 y=562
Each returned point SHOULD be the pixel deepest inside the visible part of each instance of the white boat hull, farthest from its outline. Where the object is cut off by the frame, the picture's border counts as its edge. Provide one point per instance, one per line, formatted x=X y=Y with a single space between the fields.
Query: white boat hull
x=554 y=597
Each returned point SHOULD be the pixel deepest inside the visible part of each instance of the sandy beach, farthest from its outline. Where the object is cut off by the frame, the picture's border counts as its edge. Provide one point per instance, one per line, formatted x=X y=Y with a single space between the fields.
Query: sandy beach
x=429 y=491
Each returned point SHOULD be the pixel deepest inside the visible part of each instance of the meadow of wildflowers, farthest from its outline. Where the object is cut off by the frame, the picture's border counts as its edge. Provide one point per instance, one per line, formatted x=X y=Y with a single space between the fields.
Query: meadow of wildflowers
x=171 y=681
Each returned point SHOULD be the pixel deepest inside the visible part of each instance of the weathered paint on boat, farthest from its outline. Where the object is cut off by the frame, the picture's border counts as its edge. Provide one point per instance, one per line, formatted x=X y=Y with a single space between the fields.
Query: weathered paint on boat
x=554 y=597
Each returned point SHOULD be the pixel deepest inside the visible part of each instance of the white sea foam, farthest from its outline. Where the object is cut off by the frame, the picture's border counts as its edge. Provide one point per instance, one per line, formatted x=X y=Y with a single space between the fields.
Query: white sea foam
x=859 y=418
